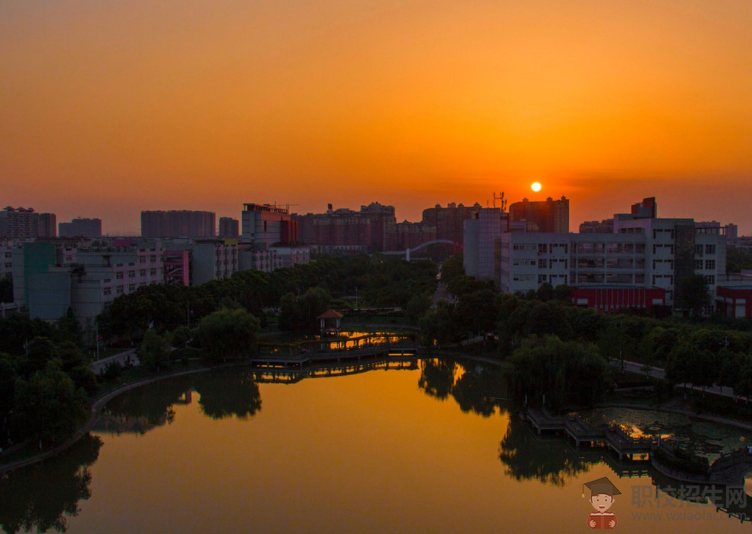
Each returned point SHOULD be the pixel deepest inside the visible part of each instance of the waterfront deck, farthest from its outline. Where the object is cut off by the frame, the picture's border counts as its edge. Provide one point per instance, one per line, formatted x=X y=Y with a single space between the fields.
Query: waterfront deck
x=728 y=470
x=584 y=433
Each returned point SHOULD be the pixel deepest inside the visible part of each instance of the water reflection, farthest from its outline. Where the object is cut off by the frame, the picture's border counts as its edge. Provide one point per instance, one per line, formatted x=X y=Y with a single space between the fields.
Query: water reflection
x=45 y=495
x=437 y=377
x=227 y=393
x=549 y=460
x=476 y=388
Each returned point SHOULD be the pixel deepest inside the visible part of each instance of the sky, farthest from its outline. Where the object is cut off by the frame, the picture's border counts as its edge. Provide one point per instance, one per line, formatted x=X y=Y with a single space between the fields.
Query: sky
x=110 y=108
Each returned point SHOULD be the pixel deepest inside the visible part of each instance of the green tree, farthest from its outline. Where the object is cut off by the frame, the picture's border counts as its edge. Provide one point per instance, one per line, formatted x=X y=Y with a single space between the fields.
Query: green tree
x=417 y=307
x=562 y=371
x=476 y=312
x=181 y=336
x=693 y=294
x=71 y=356
x=154 y=351
x=452 y=268
x=39 y=352
x=228 y=334
x=48 y=407
x=70 y=329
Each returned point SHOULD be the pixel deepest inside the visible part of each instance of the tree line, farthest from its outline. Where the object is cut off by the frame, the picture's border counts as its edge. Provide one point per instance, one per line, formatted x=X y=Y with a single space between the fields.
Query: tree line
x=552 y=346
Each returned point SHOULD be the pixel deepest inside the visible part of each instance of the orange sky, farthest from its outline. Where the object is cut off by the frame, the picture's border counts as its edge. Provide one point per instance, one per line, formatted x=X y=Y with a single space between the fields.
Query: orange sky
x=108 y=108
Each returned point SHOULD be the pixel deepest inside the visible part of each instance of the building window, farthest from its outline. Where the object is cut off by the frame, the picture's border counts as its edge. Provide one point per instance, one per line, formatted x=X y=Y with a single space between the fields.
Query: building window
x=698 y=265
x=8 y=265
x=710 y=264
x=119 y=275
x=709 y=249
x=119 y=290
x=153 y=259
x=711 y=279
x=8 y=255
x=541 y=278
x=107 y=291
x=153 y=272
x=131 y=274
x=142 y=259
x=131 y=287
x=142 y=272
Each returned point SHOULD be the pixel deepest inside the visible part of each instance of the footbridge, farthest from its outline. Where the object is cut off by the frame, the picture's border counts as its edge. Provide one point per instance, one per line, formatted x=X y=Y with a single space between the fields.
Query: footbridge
x=457 y=248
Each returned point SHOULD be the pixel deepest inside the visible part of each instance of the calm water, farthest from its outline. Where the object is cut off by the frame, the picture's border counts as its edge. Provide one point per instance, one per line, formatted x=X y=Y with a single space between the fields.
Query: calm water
x=429 y=448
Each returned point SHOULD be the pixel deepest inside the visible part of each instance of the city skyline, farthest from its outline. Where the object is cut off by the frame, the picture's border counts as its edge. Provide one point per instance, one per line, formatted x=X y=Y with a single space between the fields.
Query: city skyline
x=670 y=208
x=192 y=105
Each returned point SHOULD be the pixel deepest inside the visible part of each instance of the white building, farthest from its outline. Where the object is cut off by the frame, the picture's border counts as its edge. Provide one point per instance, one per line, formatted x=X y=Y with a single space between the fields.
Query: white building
x=482 y=234
x=642 y=252
x=88 y=281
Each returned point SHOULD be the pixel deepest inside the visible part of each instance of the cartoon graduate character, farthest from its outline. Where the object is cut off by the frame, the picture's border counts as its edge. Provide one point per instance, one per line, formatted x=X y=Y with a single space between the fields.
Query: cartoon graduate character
x=602 y=493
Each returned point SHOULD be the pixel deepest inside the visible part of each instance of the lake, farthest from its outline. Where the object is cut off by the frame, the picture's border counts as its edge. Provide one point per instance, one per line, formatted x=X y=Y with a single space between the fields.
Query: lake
x=423 y=446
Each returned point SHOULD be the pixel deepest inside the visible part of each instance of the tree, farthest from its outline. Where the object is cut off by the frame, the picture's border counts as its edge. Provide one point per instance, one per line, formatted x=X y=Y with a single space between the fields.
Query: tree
x=181 y=336
x=476 y=312
x=417 y=307
x=693 y=294
x=562 y=371
x=70 y=329
x=452 y=268
x=228 y=334
x=301 y=313
x=39 y=352
x=48 y=406
x=71 y=356
x=154 y=351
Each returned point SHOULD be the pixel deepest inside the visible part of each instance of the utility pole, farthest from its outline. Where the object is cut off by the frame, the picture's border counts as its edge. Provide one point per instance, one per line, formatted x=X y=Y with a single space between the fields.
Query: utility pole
x=97 y=334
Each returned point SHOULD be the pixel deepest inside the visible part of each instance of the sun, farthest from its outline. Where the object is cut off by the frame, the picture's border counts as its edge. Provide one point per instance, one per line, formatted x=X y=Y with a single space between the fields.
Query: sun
x=536 y=186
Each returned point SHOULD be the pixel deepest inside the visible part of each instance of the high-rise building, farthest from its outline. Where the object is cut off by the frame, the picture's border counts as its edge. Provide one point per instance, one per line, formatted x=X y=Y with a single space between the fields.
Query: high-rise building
x=344 y=227
x=182 y=223
x=229 y=227
x=19 y=223
x=449 y=221
x=79 y=227
x=482 y=235
x=265 y=225
x=47 y=225
x=407 y=235
x=546 y=216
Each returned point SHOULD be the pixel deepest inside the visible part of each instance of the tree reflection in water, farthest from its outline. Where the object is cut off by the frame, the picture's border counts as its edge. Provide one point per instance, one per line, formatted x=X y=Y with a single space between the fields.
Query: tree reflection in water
x=437 y=377
x=44 y=495
x=227 y=393
x=528 y=457
x=476 y=388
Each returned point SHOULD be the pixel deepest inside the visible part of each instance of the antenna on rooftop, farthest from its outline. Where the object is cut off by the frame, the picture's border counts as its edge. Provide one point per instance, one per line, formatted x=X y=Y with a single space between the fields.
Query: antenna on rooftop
x=502 y=201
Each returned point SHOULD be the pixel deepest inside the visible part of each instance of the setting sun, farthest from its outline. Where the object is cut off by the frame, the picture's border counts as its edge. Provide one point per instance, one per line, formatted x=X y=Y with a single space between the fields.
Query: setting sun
x=536 y=186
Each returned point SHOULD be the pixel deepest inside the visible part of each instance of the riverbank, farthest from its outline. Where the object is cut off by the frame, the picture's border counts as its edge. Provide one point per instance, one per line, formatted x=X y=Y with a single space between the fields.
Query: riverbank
x=95 y=412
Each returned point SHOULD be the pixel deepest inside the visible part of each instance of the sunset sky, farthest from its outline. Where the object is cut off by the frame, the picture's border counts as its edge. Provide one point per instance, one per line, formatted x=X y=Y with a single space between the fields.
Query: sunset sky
x=108 y=108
